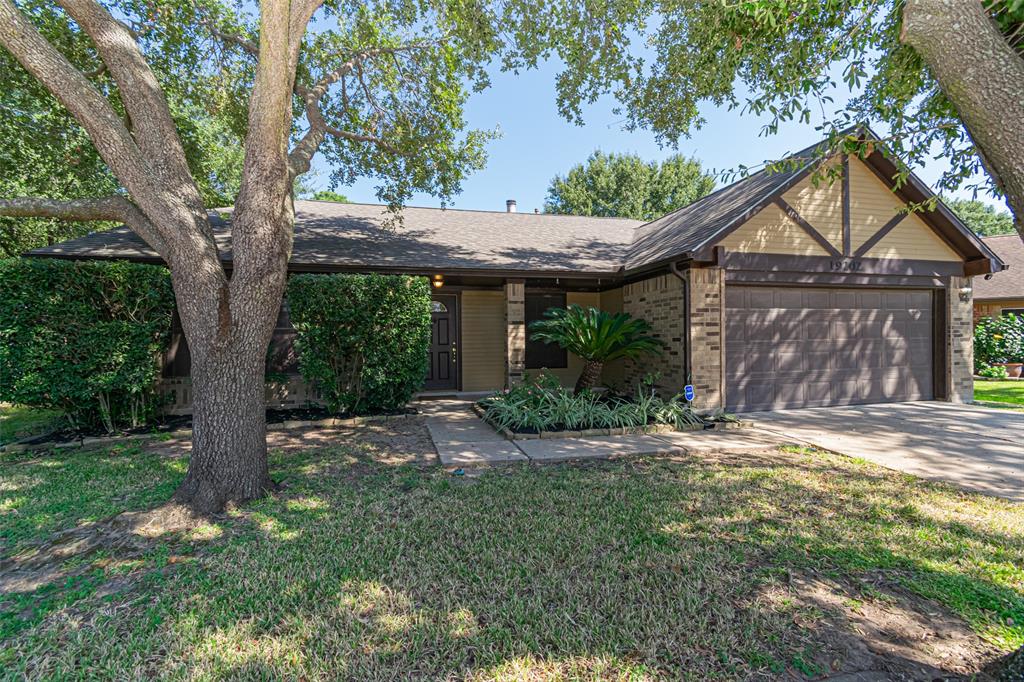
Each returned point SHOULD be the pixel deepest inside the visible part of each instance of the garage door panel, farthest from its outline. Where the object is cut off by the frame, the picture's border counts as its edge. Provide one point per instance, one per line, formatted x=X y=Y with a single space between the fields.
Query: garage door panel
x=851 y=347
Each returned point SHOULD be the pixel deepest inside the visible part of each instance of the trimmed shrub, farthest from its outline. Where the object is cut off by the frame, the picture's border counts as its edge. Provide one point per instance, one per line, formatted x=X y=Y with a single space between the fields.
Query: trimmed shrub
x=84 y=337
x=363 y=340
x=998 y=339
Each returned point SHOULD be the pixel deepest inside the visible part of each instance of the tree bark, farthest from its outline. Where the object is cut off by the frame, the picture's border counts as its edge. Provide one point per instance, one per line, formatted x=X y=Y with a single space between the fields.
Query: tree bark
x=983 y=77
x=229 y=452
x=590 y=375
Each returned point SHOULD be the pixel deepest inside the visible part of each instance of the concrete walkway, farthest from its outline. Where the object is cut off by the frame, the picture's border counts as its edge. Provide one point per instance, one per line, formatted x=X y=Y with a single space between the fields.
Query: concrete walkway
x=464 y=440
x=976 y=448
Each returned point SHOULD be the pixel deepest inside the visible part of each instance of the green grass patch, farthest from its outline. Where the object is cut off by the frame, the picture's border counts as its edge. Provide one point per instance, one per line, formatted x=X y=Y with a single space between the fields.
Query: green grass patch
x=18 y=421
x=624 y=570
x=1000 y=391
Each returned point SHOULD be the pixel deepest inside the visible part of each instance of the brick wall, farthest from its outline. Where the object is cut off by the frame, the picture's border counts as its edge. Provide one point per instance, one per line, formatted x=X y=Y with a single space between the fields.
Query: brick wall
x=707 y=321
x=660 y=301
x=960 y=340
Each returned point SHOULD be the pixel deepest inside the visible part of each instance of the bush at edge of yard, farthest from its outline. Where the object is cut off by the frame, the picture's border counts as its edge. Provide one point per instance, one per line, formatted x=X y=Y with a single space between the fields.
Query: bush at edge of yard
x=362 y=340
x=84 y=337
x=998 y=339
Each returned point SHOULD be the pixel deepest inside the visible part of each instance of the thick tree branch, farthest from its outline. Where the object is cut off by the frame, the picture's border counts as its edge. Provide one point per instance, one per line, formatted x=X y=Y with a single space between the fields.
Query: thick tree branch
x=981 y=75
x=152 y=124
x=114 y=207
x=104 y=126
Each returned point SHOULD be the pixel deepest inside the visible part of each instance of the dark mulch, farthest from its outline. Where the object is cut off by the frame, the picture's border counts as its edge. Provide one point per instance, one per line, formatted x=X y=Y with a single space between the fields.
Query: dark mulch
x=170 y=423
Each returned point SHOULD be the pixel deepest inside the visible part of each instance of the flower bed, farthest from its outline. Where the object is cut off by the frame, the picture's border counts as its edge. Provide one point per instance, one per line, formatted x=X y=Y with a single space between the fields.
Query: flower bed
x=542 y=408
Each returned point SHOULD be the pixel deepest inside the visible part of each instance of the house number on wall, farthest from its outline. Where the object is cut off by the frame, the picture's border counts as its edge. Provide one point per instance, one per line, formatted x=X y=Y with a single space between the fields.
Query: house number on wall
x=846 y=266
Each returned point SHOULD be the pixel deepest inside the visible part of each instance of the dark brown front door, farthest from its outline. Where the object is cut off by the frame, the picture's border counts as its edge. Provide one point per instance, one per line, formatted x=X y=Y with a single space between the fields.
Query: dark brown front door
x=791 y=347
x=443 y=373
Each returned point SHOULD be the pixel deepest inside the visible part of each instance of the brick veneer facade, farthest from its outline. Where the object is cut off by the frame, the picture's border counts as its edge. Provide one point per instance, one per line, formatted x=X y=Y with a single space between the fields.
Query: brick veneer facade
x=660 y=301
x=707 y=348
x=960 y=340
x=515 y=331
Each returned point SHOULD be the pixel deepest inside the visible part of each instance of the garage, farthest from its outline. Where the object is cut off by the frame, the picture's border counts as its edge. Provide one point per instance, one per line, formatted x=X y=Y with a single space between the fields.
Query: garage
x=790 y=347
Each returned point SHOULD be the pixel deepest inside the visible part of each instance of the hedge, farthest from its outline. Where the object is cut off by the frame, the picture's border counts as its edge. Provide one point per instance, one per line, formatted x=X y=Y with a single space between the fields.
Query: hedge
x=84 y=337
x=362 y=340
x=999 y=339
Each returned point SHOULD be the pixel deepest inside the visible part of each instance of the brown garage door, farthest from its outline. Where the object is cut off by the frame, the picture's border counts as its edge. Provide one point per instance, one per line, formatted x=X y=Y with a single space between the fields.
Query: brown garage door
x=804 y=347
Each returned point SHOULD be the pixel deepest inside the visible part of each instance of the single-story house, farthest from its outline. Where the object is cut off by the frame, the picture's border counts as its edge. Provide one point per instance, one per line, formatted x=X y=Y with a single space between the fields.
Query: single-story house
x=773 y=292
x=1002 y=292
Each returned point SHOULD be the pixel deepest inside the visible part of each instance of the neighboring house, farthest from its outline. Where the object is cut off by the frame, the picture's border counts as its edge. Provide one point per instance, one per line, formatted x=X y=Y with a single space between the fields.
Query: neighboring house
x=769 y=293
x=1002 y=292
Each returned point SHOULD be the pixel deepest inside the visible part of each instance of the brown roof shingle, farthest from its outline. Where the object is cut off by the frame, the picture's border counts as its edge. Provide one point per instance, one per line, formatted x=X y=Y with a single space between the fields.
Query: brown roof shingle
x=1010 y=282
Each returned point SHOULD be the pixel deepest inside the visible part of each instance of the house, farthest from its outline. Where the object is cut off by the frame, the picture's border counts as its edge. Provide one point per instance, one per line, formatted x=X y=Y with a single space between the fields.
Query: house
x=773 y=292
x=1002 y=292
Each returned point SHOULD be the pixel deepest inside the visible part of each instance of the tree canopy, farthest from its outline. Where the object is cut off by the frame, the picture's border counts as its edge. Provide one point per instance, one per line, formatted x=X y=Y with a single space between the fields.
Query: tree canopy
x=983 y=218
x=624 y=185
x=329 y=195
x=912 y=65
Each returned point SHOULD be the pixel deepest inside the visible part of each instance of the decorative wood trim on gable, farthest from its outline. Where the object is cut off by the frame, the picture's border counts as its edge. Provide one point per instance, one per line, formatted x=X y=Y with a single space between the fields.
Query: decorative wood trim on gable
x=847 y=246
x=878 y=236
x=807 y=227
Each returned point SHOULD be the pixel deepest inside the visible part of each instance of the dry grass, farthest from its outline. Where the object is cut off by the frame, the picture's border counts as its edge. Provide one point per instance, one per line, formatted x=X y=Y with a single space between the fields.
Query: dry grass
x=371 y=565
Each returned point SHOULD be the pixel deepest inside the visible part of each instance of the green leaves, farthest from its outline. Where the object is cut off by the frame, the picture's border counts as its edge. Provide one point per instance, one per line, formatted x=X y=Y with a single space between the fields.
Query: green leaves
x=361 y=339
x=83 y=337
x=596 y=334
x=983 y=219
x=623 y=185
x=999 y=339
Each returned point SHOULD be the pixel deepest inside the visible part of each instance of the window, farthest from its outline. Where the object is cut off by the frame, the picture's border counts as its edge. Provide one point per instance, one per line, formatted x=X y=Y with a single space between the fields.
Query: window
x=1019 y=312
x=438 y=307
x=539 y=354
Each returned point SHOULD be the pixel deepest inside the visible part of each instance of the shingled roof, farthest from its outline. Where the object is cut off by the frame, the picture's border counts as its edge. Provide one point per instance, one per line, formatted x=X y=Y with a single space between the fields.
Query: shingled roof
x=334 y=236
x=1010 y=282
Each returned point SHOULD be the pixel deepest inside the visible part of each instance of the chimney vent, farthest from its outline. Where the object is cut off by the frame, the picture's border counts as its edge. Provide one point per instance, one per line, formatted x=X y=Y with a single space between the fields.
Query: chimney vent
x=510 y=206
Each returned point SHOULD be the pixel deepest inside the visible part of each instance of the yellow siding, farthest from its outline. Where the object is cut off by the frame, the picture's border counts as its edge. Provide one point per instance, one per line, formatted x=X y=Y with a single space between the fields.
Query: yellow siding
x=482 y=351
x=821 y=206
x=772 y=231
x=872 y=205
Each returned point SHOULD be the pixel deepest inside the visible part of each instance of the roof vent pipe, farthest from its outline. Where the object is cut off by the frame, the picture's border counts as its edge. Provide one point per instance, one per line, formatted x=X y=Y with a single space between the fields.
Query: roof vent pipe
x=510 y=206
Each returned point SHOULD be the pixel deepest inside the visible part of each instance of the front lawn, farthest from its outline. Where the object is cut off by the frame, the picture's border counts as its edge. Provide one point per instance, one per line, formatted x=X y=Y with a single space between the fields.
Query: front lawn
x=367 y=567
x=1000 y=391
x=18 y=421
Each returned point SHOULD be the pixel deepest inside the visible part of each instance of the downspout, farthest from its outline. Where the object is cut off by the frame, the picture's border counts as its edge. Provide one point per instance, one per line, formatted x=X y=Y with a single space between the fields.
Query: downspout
x=674 y=268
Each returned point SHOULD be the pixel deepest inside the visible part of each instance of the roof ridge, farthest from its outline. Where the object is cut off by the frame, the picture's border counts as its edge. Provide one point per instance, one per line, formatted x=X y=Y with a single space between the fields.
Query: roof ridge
x=474 y=210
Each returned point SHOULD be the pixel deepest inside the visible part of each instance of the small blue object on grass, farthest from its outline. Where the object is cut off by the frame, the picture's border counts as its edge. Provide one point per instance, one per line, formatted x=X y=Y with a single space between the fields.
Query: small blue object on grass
x=688 y=392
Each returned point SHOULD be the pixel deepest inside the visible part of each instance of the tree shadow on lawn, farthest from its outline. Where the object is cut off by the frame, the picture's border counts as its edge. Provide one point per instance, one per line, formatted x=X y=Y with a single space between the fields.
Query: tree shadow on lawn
x=651 y=568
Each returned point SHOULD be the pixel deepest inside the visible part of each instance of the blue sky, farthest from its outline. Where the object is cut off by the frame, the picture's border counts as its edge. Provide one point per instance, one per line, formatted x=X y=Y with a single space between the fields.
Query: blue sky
x=537 y=144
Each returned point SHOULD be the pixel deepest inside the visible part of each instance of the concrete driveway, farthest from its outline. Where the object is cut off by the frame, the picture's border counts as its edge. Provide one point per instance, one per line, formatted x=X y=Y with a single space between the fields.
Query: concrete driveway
x=976 y=448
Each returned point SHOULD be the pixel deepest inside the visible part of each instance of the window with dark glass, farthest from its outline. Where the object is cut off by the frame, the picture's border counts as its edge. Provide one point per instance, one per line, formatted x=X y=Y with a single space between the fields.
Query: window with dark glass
x=1019 y=312
x=538 y=353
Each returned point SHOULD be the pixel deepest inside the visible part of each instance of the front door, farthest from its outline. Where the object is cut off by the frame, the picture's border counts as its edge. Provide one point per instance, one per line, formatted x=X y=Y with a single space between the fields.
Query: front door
x=442 y=373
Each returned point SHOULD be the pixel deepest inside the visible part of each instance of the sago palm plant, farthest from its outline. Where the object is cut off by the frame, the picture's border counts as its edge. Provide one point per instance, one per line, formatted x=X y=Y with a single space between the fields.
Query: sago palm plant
x=596 y=336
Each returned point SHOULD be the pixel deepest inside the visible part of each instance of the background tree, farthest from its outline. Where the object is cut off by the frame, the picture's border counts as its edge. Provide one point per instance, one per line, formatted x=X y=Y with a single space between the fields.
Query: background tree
x=945 y=76
x=378 y=88
x=626 y=186
x=984 y=219
x=329 y=195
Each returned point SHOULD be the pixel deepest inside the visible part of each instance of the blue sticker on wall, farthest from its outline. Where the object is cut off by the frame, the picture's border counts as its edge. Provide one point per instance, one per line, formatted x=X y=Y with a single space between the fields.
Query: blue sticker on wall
x=688 y=391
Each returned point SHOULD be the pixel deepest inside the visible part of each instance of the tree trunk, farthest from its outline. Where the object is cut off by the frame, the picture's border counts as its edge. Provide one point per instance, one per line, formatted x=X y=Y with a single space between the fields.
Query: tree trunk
x=983 y=77
x=229 y=449
x=590 y=375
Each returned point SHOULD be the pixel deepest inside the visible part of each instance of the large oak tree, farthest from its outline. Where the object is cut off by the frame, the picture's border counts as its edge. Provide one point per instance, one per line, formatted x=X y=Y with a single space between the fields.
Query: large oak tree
x=377 y=87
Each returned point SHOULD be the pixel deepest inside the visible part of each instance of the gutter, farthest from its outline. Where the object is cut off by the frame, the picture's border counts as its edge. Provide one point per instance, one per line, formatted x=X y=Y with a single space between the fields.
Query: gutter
x=673 y=267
